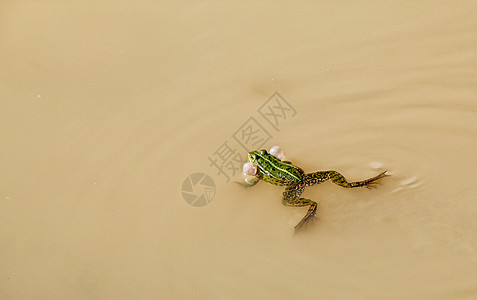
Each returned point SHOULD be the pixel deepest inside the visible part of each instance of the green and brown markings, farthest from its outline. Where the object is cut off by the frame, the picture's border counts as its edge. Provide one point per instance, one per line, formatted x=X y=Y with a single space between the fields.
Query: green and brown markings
x=284 y=173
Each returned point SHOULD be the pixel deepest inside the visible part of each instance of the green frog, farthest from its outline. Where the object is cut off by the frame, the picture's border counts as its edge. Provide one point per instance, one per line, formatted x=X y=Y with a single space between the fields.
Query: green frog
x=272 y=170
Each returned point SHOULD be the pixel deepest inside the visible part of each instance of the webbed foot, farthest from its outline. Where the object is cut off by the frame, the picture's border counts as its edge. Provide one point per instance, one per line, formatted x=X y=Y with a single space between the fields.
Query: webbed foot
x=371 y=183
x=307 y=219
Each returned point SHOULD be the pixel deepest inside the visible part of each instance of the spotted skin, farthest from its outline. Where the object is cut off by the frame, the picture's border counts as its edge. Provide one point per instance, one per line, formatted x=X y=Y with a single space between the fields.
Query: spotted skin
x=277 y=172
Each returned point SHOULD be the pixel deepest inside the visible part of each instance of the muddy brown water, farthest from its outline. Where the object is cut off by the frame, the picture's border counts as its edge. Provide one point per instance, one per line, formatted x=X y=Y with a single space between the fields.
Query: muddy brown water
x=107 y=107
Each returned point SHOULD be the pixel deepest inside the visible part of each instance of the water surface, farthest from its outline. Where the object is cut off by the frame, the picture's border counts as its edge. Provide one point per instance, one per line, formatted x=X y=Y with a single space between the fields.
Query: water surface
x=106 y=108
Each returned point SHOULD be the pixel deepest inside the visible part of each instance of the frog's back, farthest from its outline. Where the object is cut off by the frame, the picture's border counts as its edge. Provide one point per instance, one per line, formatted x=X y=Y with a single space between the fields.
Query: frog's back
x=277 y=171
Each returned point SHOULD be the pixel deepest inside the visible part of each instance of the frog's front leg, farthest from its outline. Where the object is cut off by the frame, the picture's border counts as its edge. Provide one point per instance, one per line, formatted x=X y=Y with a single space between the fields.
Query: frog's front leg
x=248 y=182
x=291 y=197
x=253 y=181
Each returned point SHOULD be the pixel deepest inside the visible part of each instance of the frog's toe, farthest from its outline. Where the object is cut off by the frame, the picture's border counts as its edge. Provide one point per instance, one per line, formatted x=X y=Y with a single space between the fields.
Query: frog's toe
x=382 y=175
x=304 y=223
x=372 y=185
x=373 y=182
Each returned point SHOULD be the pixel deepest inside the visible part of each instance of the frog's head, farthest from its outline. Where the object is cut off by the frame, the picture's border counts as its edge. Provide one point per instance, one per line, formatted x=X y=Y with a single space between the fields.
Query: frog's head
x=253 y=156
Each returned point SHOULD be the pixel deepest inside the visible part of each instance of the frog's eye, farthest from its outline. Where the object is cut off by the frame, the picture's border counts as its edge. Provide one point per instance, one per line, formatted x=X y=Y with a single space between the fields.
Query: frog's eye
x=263 y=151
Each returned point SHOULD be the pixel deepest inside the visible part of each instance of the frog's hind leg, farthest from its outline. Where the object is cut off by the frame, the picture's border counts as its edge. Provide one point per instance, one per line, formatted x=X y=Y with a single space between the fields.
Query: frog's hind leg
x=291 y=197
x=337 y=178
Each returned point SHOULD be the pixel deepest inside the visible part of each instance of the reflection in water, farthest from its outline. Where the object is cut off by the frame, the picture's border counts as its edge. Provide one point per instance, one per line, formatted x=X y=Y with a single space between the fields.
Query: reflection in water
x=101 y=122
